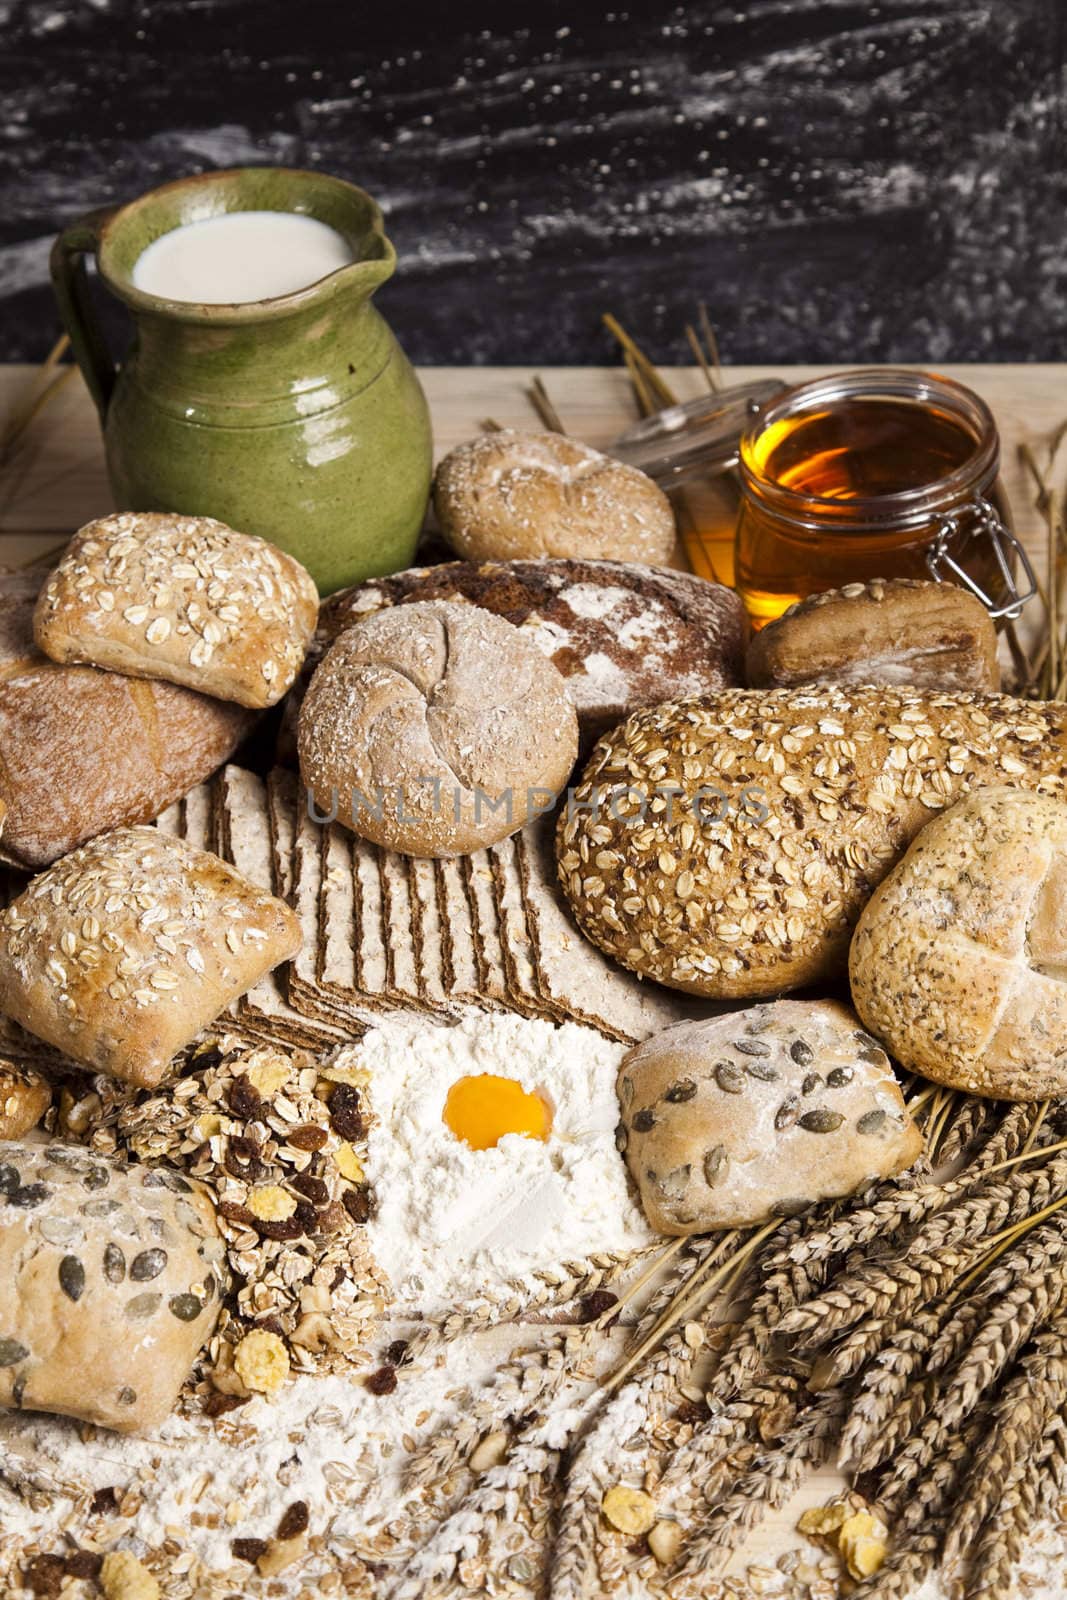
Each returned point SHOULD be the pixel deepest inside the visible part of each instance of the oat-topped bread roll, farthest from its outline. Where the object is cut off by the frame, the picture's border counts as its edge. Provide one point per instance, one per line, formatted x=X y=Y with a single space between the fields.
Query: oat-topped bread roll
x=185 y=599
x=727 y=846
x=82 y=751
x=758 y=1114
x=622 y=635
x=120 y=953
x=436 y=729
x=510 y=494
x=110 y=1280
x=890 y=630
x=24 y=1098
x=959 y=959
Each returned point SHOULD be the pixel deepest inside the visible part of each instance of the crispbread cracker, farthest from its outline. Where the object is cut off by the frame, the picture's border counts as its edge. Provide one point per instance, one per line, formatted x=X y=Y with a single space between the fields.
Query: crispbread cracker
x=306 y=995
x=403 y=977
x=461 y=965
x=523 y=995
x=429 y=939
x=478 y=879
x=575 y=978
x=372 y=966
x=284 y=794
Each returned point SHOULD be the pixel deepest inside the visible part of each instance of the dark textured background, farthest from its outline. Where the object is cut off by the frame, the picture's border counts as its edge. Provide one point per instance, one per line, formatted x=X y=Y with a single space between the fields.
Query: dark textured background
x=839 y=181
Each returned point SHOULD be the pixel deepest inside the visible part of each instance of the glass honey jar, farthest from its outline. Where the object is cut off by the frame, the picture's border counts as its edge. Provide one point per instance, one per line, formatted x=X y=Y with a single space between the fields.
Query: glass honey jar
x=879 y=473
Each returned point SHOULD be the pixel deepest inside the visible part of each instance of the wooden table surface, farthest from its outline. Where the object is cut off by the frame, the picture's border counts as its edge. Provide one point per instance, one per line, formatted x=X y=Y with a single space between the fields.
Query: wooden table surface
x=56 y=481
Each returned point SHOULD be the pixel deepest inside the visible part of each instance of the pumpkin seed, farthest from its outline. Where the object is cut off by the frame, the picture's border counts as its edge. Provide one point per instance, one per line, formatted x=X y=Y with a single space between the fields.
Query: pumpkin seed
x=143 y=1306
x=802 y=1052
x=11 y=1352
x=716 y=1163
x=676 y=1182
x=752 y=1047
x=72 y=1277
x=683 y=1090
x=149 y=1264
x=29 y=1195
x=127 y=1396
x=186 y=1307
x=812 y=1082
x=872 y=1122
x=97 y=1178
x=626 y=1090
x=622 y=1139
x=730 y=1078
x=60 y=1230
x=763 y=1071
x=789 y=1208
x=840 y=1077
x=787 y=1112
x=100 y=1208
x=114 y=1264
x=10 y=1179
x=821 y=1120
x=644 y=1122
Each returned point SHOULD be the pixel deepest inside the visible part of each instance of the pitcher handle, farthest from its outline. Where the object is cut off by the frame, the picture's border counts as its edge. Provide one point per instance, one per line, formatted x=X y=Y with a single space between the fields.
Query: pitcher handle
x=70 y=282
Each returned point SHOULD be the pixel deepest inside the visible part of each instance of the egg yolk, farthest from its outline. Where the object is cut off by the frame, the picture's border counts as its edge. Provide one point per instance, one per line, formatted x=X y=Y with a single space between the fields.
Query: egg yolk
x=481 y=1110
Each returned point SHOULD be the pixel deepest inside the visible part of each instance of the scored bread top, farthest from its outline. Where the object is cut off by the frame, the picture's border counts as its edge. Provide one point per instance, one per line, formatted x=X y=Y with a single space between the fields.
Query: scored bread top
x=186 y=599
x=510 y=493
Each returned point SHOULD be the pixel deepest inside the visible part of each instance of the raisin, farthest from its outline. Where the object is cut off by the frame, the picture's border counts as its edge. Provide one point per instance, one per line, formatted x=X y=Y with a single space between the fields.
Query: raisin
x=381 y=1382
x=249 y=1550
x=83 y=1564
x=244 y=1099
x=235 y=1213
x=242 y=1159
x=105 y=1501
x=312 y=1189
x=44 y=1575
x=294 y=1520
x=693 y=1412
x=308 y=1137
x=345 y=1118
x=285 y=1229
x=217 y=1405
x=360 y=1203
x=397 y=1352
x=306 y=1215
x=593 y=1305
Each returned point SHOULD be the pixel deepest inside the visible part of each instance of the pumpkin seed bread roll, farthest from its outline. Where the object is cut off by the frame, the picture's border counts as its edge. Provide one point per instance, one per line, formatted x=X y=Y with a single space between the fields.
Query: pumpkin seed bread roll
x=730 y=1122
x=110 y=1280
x=726 y=846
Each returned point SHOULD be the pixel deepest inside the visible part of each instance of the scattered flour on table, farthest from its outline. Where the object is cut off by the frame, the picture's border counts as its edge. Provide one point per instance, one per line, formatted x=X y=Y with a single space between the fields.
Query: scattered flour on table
x=455 y=1224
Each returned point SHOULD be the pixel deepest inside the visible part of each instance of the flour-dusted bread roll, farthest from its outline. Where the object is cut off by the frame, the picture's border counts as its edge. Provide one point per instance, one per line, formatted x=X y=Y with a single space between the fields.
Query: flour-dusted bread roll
x=110 y=1279
x=436 y=729
x=82 y=751
x=185 y=599
x=890 y=630
x=728 y=846
x=508 y=495
x=732 y=1121
x=959 y=960
x=120 y=953
x=622 y=635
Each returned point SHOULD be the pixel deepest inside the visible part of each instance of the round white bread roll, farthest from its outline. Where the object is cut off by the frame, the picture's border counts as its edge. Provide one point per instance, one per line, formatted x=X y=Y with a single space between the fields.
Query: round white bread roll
x=958 y=960
x=436 y=729
x=509 y=495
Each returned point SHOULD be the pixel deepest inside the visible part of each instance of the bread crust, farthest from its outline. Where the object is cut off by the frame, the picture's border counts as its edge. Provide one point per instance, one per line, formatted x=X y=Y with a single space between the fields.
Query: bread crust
x=810 y=796
x=510 y=495
x=436 y=729
x=82 y=751
x=183 y=599
x=890 y=631
x=120 y=953
x=958 y=961
x=740 y=1118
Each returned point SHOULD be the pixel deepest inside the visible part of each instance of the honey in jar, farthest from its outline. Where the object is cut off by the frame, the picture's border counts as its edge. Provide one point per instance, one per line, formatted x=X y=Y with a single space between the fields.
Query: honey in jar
x=884 y=473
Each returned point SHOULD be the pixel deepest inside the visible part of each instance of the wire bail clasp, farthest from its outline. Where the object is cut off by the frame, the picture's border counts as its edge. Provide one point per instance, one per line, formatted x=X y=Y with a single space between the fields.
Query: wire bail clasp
x=1003 y=541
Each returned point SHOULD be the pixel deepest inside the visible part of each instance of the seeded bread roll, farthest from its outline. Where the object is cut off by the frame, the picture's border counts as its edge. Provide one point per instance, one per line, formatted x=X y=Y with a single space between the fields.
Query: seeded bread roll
x=727 y=846
x=110 y=1280
x=436 y=729
x=959 y=959
x=890 y=631
x=82 y=751
x=120 y=953
x=185 y=599
x=760 y=1114
x=509 y=495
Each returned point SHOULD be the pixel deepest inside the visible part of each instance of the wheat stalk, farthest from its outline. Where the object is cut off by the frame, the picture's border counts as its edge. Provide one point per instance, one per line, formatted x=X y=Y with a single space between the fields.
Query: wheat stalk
x=885 y=1407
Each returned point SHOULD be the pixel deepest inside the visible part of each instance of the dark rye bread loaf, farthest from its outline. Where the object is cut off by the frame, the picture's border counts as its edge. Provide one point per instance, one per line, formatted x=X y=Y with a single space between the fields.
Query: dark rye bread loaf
x=623 y=636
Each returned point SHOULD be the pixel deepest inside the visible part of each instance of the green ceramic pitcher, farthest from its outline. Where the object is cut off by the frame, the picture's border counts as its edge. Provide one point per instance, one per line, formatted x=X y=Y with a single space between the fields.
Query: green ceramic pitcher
x=298 y=418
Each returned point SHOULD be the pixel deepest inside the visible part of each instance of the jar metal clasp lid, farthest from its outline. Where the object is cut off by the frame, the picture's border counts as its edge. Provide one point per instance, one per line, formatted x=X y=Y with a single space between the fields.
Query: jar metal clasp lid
x=939 y=560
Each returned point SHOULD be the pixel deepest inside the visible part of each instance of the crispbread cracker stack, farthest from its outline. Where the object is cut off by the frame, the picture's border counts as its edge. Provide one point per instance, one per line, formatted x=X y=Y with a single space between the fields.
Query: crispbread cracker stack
x=575 y=978
x=428 y=937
